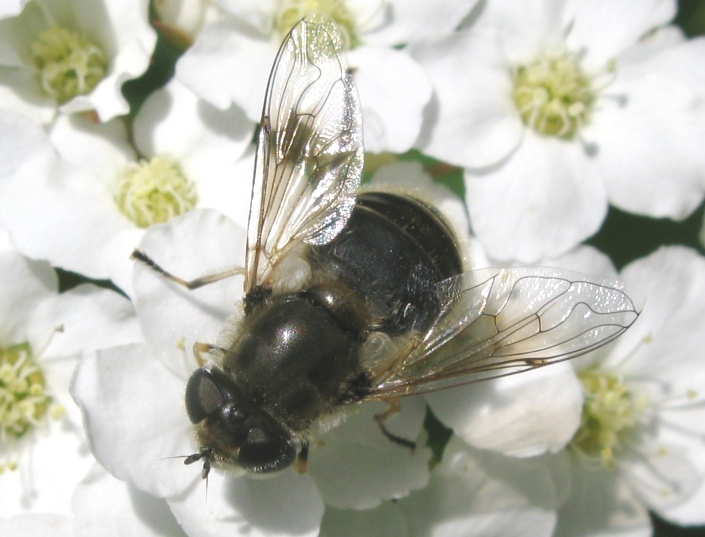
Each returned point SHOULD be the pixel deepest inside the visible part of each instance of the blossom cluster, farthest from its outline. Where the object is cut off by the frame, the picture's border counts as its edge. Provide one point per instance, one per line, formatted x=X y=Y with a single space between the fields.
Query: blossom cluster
x=539 y=116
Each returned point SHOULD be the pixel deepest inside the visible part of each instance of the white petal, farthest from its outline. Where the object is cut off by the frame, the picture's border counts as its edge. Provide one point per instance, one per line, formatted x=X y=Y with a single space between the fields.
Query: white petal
x=660 y=476
x=521 y=415
x=21 y=139
x=484 y=494
x=601 y=505
x=225 y=66
x=106 y=506
x=384 y=520
x=20 y=92
x=172 y=318
x=393 y=91
x=410 y=21
x=207 y=143
x=283 y=505
x=256 y=13
x=541 y=203
x=673 y=281
x=90 y=318
x=583 y=259
x=471 y=121
x=24 y=285
x=10 y=8
x=174 y=121
x=102 y=148
x=524 y=29
x=37 y=524
x=51 y=462
x=229 y=189
x=357 y=467
x=135 y=419
x=62 y=210
x=605 y=28
x=646 y=132
x=59 y=213
x=184 y=16
x=688 y=511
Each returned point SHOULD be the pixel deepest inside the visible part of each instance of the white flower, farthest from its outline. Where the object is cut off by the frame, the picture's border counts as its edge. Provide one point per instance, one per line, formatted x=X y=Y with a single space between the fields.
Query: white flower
x=101 y=501
x=74 y=55
x=471 y=493
x=102 y=505
x=82 y=197
x=132 y=400
x=520 y=416
x=43 y=334
x=232 y=56
x=480 y=493
x=555 y=108
x=639 y=446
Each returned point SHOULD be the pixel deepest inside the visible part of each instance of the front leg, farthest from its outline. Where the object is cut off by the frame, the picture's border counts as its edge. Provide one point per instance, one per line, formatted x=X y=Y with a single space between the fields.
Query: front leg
x=188 y=284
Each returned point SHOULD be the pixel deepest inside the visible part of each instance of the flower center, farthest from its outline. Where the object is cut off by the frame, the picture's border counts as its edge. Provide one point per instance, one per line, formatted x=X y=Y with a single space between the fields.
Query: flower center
x=610 y=414
x=152 y=192
x=292 y=11
x=68 y=63
x=553 y=95
x=24 y=402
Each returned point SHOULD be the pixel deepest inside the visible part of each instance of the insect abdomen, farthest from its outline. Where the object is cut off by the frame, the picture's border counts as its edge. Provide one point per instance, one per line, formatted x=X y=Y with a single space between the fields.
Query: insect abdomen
x=393 y=251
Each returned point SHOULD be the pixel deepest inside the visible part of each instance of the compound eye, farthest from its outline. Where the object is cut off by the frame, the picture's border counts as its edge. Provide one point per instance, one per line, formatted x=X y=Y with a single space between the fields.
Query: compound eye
x=264 y=452
x=202 y=395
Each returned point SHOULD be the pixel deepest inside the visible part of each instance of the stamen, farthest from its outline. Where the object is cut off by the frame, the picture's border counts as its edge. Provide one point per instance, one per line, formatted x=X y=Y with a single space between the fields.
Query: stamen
x=554 y=97
x=292 y=11
x=152 y=192
x=68 y=63
x=610 y=416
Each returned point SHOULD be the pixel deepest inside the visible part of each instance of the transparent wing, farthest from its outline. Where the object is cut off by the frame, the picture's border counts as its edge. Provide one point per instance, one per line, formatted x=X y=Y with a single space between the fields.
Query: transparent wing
x=500 y=322
x=309 y=153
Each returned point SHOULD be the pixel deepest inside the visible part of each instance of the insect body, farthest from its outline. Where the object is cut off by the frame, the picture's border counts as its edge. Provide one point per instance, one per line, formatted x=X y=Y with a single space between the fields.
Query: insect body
x=382 y=307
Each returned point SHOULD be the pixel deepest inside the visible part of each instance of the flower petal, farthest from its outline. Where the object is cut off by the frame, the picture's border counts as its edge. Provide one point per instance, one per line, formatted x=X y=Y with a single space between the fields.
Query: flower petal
x=472 y=120
x=541 y=203
x=521 y=415
x=24 y=285
x=134 y=417
x=646 y=134
x=601 y=505
x=172 y=318
x=393 y=91
x=481 y=493
x=605 y=28
x=667 y=335
x=106 y=506
x=357 y=467
x=286 y=504
x=37 y=524
x=384 y=520
x=225 y=65
x=410 y=21
x=207 y=142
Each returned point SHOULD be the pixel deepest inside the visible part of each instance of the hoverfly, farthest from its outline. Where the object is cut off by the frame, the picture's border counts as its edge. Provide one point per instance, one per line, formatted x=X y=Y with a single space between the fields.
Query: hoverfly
x=383 y=309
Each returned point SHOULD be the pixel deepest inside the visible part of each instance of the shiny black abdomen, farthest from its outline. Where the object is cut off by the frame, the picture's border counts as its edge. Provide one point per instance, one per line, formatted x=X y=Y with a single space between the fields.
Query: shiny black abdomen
x=393 y=251
x=298 y=352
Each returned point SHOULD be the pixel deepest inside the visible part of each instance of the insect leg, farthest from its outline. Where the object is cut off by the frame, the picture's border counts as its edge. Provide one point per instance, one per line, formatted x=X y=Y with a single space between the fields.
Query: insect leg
x=201 y=349
x=301 y=462
x=192 y=284
x=382 y=417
